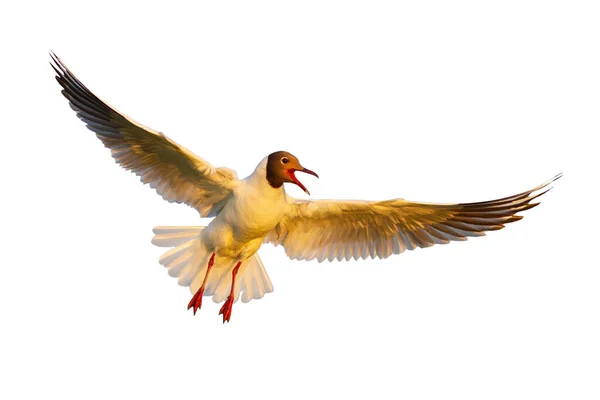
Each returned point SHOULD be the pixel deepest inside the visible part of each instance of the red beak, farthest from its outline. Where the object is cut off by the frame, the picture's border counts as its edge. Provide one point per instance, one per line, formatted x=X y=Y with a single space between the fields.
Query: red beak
x=291 y=174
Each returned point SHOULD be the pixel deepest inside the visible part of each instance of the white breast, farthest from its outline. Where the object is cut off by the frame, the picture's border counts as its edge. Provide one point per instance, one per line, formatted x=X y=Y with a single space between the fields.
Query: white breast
x=254 y=209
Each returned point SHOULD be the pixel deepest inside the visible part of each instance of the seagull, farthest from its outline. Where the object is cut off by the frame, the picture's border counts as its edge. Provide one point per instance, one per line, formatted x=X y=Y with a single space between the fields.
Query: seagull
x=220 y=259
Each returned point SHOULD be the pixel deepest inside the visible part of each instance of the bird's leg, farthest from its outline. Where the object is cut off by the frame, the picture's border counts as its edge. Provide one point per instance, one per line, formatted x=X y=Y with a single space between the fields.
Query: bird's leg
x=196 y=301
x=226 y=309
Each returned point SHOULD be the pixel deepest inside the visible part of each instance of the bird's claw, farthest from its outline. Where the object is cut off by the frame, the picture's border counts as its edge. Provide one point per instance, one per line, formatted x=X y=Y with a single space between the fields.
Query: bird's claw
x=196 y=302
x=226 y=309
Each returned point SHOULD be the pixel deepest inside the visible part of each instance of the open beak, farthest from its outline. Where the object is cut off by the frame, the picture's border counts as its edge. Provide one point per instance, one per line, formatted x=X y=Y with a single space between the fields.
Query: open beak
x=291 y=173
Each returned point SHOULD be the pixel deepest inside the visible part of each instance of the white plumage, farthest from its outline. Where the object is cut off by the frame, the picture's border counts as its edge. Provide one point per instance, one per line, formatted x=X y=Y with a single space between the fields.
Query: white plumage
x=189 y=252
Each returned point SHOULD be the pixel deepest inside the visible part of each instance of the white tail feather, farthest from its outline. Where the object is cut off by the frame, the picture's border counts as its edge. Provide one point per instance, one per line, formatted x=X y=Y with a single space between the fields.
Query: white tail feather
x=188 y=259
x=169 y=236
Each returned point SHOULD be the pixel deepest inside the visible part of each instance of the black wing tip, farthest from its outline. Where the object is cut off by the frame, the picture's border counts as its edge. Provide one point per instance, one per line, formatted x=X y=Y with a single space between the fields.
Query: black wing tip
x=54 y=60
x=541 y=190
x=55 y=67
x=553 y=179
x=546 y=185
x=58 y=66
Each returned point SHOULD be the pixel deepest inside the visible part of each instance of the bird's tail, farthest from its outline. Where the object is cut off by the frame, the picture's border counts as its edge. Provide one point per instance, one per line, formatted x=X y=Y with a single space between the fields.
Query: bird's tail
x=188 y=260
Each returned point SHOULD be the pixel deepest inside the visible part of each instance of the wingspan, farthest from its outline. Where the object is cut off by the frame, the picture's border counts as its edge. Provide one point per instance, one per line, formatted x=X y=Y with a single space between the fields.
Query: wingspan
x=331 y=229
x=174 y=172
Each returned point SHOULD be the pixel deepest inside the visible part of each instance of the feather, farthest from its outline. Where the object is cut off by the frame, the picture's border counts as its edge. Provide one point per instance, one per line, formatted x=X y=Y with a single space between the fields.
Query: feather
x=337 y=229
x=174 y=172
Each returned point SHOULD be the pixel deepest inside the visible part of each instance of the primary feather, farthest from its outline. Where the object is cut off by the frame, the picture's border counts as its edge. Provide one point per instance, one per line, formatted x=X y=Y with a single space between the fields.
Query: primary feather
x=176 y=173
x=335 y=229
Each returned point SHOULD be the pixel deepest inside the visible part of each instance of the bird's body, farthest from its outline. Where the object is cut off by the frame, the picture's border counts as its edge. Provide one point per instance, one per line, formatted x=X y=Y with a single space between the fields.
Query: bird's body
x=221 y=260
x=255 y=208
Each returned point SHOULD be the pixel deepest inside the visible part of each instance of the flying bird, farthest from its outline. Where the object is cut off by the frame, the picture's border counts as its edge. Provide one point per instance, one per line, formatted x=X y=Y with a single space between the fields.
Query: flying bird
x=221 y=260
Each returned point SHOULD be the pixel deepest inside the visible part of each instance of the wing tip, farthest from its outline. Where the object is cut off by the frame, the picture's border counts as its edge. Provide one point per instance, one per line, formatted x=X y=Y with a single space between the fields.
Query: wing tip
x=56 y=62
x=551 y=180
x=546 y=186
x=557 y=176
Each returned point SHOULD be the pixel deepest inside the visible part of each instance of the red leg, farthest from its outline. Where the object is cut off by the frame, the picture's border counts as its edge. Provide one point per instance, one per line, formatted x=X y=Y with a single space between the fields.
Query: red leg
x=196 y=301
x=226 y=309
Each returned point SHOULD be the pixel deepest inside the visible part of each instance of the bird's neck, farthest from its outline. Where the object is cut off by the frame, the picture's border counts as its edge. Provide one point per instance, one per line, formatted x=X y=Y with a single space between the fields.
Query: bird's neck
x=260 y=177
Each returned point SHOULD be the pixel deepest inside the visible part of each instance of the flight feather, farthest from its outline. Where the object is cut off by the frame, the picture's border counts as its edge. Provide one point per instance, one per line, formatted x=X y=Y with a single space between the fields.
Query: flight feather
x=176 y=173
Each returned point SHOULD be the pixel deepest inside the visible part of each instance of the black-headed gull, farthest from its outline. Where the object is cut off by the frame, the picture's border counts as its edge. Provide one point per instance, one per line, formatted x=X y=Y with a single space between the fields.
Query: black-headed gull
x=220 y=259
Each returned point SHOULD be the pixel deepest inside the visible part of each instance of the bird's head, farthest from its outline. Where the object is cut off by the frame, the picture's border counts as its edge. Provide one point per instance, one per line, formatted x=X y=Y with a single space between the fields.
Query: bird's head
x=281 y=168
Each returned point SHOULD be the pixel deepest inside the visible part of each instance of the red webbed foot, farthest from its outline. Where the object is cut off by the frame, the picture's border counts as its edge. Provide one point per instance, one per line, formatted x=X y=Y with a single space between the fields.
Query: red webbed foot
x=226 y=309
x=196 y=301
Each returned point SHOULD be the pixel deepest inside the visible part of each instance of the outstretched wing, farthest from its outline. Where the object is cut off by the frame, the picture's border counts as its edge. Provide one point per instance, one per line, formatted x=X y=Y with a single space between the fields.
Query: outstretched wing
x=330 y=229
x=174 y=172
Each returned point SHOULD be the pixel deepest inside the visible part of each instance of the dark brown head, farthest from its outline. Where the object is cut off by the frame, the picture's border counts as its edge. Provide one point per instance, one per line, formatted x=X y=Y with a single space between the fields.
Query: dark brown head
x=281 y=168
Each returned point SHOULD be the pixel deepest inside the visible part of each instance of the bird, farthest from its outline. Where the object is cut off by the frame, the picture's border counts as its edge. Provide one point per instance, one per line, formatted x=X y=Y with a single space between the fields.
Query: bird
x=220 y=259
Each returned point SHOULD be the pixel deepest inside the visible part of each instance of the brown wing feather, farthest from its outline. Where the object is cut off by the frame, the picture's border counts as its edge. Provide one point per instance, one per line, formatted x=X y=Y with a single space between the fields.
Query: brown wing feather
x=174 y=172
x=329 y=229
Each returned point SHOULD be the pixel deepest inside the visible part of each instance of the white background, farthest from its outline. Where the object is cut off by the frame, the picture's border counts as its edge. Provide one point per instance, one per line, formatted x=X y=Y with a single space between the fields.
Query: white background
x=430 y=101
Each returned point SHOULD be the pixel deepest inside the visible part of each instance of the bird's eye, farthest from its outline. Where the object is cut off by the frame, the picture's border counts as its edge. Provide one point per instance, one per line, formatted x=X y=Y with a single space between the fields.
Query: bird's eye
x=285 y=160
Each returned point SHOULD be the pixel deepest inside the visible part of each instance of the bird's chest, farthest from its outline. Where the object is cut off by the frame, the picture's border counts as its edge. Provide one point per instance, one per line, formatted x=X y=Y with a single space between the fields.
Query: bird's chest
x=254 y=212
